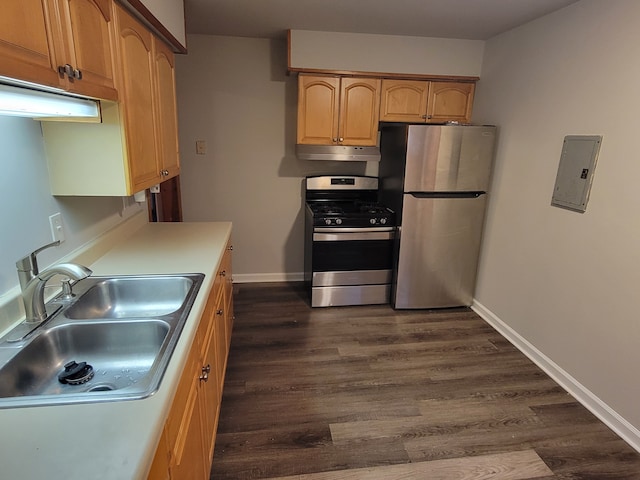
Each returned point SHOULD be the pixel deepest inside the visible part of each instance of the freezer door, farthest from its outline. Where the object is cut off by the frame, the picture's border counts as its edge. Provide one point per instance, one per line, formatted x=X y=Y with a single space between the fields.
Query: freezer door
x=449 y=158
x=438 y=251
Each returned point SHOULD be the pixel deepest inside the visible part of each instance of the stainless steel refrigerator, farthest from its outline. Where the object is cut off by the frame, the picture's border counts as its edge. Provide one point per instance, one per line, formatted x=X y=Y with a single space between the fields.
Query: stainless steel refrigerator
x=436 y=178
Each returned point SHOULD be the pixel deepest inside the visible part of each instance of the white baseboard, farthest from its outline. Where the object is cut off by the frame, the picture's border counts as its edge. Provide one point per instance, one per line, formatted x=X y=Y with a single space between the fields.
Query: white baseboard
x=268 y=277
x=595 y=405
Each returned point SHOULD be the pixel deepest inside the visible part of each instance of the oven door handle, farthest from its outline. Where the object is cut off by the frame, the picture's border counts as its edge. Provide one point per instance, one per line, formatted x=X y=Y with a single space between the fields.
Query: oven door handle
x=352 y=229
x=341 y=235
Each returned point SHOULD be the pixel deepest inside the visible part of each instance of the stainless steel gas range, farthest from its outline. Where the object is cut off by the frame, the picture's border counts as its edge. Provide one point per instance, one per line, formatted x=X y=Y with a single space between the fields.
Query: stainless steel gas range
x=348 y=241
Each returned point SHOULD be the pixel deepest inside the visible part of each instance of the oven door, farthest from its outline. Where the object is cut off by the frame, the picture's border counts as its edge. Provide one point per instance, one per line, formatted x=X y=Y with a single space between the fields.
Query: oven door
x=351 y=266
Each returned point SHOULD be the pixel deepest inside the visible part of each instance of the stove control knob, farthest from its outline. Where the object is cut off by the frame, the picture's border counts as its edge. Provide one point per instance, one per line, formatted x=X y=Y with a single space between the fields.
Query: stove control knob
x=372 y=221
x=383 y=221
x=338 y=221
x=327 y=221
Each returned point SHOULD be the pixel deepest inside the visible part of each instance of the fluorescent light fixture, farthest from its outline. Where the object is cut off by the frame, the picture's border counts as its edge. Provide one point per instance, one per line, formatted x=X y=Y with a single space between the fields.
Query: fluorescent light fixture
x=24 y=102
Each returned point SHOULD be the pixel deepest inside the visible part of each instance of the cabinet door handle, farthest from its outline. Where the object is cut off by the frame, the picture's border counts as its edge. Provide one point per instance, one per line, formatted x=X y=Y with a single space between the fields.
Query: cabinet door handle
x=164 y=173
x=334 y=140
x=341 y=139
x=204 y=377
x=65 y=69
x=219 y=312
x=77 y=74
x=230 y=247
x=223 y=273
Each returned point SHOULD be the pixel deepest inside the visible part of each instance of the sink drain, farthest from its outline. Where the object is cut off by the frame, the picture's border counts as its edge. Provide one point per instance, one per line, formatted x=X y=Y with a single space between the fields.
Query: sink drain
x=105 y=387
x=76 y=373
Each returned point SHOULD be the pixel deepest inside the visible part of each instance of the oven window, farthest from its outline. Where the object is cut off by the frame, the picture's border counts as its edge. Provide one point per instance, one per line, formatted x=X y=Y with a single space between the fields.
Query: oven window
x=333 y=256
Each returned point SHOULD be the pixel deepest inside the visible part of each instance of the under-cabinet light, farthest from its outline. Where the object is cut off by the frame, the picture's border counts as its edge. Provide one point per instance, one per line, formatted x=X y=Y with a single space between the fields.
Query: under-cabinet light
x=24 y=102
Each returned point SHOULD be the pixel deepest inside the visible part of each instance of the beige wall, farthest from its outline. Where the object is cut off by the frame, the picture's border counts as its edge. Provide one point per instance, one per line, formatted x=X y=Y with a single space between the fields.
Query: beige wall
x=565 y=282
x=169 y=13
x=385 y=53
x=235 y=94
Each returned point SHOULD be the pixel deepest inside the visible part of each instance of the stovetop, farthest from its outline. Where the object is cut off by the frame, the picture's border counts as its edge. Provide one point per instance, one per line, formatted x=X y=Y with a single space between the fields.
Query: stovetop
x=346 y=201
x=350 y=213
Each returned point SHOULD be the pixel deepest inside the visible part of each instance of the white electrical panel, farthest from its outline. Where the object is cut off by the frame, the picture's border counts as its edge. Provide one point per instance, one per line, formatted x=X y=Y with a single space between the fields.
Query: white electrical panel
x=575 y=171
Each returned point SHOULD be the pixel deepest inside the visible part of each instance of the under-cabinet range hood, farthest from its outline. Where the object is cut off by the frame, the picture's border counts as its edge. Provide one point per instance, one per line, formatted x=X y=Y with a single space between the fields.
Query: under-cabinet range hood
x=340 y=153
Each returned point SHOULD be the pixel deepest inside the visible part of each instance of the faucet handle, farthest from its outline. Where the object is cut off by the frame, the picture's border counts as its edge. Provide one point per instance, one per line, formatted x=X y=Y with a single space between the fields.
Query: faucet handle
x=29 y=263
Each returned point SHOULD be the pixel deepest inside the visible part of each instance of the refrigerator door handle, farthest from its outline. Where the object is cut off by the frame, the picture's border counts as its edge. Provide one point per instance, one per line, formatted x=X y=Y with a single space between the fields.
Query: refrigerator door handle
x=446 y=194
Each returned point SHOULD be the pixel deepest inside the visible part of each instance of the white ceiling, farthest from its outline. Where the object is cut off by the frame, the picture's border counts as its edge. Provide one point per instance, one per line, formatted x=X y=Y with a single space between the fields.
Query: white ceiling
x=468 y=19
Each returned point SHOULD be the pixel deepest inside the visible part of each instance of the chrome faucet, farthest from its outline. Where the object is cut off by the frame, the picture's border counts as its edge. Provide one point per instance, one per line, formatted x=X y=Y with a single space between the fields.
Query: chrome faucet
x=28 y=266
x=33 y=292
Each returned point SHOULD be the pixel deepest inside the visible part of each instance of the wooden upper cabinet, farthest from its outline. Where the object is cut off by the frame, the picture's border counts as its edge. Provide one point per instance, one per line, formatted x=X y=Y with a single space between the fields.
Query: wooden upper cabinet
x=166 y=110
x=136 y=145
x=403 y=101
x=359 y=111
x=26 y=42
x=66 y=44
x=87 y=42
x=318 y=108
x=338 y=111
x=425 y=101
x=450 y=101
x=137 y=84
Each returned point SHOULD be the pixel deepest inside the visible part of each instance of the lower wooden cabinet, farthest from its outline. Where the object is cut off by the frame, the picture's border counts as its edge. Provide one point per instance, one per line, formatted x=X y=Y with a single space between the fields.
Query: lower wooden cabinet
x=160 y=466
x=185 y=450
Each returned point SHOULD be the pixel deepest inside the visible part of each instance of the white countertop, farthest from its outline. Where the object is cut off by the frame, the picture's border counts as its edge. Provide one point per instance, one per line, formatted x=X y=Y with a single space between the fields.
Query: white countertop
x=115 y=440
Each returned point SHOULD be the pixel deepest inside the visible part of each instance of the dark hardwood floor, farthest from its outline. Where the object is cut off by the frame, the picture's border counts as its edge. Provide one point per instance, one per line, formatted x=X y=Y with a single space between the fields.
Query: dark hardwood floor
x=368 y=393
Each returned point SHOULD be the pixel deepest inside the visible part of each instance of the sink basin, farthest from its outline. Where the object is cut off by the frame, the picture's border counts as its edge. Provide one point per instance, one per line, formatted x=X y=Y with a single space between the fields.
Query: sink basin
x=128 y=297
x=121 y=354
x=125 y=328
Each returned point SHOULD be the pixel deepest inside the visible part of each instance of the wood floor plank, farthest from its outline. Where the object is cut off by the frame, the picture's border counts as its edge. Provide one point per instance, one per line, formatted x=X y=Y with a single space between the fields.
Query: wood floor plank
x=420 y=426
x=373 y=393
x=505 y=466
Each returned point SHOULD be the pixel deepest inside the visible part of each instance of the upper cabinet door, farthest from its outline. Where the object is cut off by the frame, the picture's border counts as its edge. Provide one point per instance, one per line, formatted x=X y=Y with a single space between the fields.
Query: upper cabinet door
x=450 y=101
x=404 y=101
x=318 y=107
x=166 y=111
x=136 y=90
x=66 y=44
x=26 y=42
x=87 y=36
x=338 y=111
x=359 y=111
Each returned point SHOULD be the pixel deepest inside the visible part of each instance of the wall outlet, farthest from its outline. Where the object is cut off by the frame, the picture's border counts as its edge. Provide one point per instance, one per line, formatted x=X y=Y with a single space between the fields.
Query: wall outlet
x=57 y=228
x=201 y=147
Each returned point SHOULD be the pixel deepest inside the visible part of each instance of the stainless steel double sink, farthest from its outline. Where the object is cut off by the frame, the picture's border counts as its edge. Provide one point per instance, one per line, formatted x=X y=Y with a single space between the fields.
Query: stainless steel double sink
x=124 y=328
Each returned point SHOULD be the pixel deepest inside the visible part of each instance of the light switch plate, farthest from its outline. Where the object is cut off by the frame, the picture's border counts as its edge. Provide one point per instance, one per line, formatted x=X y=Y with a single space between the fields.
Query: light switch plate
x=201 y=147
x=57 y=228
